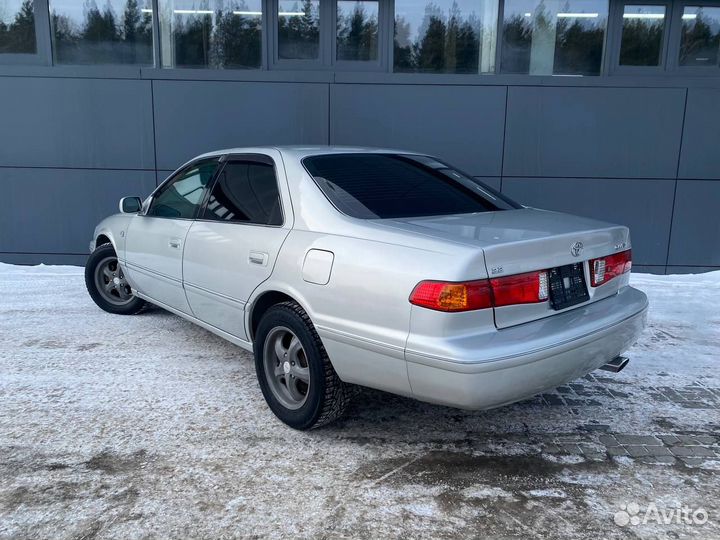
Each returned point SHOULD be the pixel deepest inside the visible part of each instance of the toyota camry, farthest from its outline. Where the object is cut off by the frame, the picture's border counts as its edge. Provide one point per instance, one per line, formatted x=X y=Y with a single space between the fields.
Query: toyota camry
x=340 y=267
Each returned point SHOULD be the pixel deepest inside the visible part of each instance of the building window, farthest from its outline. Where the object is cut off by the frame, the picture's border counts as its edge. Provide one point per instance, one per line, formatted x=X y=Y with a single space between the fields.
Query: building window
x=700 y=39
x=213 y=34
x=17 y=27
x=554 y=37
x=643 y=28
x=118 y=32
x=298 y=29
x=357 y=30
x=445 y=36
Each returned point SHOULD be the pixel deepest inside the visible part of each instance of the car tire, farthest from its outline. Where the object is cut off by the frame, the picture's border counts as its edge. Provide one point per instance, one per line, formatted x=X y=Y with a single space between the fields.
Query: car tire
x=281 y=363
x=105 y=281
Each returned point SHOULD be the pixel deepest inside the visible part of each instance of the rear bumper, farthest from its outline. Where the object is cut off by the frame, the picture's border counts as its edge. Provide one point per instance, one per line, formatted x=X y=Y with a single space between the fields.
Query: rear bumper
x=493 y=369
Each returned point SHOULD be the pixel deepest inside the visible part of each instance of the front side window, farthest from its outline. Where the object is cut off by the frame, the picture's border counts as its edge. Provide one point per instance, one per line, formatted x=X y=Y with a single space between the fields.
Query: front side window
x=182 y=196
x=643 y=28
x=211 y=34
x=17 y=27
x=387 y=186
x=700 y=40
x=447 y=36
x=245 y=192
x=357 y=30
x=108 y=32
x=298 y=29
x=553 y=37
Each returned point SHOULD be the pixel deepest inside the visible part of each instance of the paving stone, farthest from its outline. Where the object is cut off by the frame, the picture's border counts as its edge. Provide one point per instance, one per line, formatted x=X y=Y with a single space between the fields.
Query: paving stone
x=608 y=440
x=571 y=448
x=617 y=451
x=694 y=461
x=669 y=439
x=681 y=451
x=636 y=451
x=657 y=460
x=702 y=451
x=705 y=439
x=648 y=440
x=658 y=450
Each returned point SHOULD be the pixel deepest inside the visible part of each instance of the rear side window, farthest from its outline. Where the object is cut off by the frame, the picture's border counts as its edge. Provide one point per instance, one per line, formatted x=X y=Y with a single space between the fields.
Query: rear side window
x=387 y=186
x=245 y=192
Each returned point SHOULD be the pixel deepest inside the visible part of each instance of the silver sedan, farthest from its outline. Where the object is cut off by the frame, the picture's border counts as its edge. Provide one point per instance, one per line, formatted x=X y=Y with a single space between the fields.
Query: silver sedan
x=393 y=270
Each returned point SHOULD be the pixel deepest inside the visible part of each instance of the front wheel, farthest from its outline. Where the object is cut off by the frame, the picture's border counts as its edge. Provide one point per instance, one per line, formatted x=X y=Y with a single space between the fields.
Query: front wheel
x=106 y=283
x=295 y=374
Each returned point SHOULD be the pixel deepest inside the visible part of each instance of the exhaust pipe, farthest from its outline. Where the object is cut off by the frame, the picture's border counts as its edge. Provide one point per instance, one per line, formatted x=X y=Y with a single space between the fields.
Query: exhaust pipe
x=616 y=365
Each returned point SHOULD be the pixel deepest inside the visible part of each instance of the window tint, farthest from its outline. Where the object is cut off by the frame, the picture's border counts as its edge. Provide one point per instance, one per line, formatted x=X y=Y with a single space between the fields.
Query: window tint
x=299 y=29
x=107 y=32
x=445 y=36
x=642 y=35
x=357 y=30
x=182 y=197
x=17 y=27
x=214 y=34
x=395 y=186
x=554 y=37
x=700 y=39
x=245 y=191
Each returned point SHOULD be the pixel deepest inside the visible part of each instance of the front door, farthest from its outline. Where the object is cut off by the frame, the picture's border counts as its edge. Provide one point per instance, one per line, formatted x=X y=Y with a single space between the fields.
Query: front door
x=232 y=246
x=156 y=239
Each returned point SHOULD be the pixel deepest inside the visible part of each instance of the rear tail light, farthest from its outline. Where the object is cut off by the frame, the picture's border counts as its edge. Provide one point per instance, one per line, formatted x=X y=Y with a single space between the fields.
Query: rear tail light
x=604 y=269
x=480 y=294
x=527 y=288
x=448 y=296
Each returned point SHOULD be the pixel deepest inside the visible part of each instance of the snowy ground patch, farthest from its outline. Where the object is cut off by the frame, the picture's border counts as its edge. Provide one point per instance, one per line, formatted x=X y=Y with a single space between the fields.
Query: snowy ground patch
x=147 y=426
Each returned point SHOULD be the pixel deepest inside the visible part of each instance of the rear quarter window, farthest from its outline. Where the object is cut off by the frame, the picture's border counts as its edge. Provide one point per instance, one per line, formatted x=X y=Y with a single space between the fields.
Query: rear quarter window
x=387 y=186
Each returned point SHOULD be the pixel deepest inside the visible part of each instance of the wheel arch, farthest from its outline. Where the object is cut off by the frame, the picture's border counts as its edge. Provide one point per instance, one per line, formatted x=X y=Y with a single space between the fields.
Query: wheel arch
x=103 y=238
x=264 y=301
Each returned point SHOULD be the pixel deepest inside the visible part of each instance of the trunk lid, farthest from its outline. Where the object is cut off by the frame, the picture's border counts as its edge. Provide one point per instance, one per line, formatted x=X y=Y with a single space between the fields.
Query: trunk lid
x=526 y=240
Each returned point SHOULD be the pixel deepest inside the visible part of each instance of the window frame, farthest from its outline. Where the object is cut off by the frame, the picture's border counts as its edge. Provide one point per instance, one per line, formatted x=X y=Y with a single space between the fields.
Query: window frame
x=607 y=40
x=383 y=39
x=43 y=53
x=327 y=58
x=390 y=43
x=673 y=60
x=175 y=176
x=229 y=158
x=615 y=21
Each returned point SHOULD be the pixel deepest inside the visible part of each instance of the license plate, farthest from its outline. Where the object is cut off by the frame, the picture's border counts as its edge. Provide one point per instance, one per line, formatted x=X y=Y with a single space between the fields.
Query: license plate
x=567 y=286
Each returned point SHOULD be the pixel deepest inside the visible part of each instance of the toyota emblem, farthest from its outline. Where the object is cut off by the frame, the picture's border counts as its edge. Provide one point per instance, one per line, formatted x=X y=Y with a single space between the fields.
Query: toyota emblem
x=576 y=249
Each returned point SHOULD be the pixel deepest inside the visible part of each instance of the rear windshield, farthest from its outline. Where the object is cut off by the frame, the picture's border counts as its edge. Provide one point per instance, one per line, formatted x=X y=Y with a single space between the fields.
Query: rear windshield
x=387 y=186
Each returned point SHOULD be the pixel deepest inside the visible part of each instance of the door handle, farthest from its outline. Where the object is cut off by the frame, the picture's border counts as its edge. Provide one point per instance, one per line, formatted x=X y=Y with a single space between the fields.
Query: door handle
x=174 y=243
x=258 y=257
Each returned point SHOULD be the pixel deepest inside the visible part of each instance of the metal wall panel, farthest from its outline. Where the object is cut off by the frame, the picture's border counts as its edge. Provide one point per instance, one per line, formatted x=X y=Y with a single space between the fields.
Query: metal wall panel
x=192 y=117
x=701 y=135
x=76 y=123
x=55 y=211
x=593 y=132
x=462 y=124
x=695 y=239
x=643 y=205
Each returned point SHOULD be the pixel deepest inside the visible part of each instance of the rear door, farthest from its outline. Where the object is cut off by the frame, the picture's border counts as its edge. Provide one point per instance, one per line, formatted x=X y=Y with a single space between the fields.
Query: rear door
x=155 y=240
x=232 y=247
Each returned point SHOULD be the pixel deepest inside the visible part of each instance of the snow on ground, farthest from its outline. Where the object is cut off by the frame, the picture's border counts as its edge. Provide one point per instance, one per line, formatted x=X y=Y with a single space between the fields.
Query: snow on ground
x=150 y=427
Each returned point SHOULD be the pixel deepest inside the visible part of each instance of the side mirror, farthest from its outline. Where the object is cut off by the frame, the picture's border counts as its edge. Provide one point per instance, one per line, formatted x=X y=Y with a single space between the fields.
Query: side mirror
x=130 y=205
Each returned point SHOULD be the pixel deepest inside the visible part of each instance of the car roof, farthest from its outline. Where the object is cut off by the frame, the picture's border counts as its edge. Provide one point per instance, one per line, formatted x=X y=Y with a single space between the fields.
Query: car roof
x=301 y=151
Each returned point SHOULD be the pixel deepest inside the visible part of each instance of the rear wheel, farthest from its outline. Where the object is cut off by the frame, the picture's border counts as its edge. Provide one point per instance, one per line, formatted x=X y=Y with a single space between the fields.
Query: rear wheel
x=294 y=371
x=106 y=283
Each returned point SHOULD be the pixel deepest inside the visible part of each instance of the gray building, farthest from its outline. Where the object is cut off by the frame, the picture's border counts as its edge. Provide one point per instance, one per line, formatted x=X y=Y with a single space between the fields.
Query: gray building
x=603 y=108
